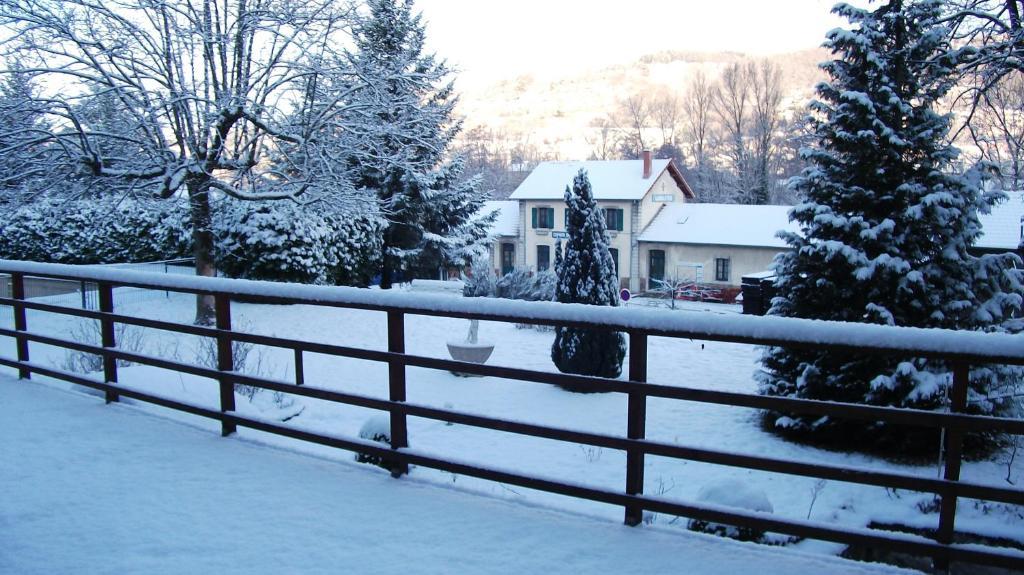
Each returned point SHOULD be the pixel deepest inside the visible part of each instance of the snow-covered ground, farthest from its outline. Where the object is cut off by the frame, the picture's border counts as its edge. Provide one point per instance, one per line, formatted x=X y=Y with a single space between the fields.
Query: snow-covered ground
x=90 y=489
x=713 y=365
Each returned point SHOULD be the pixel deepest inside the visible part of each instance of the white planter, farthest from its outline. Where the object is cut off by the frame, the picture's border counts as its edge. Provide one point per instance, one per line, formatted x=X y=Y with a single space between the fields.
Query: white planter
x=470 y=352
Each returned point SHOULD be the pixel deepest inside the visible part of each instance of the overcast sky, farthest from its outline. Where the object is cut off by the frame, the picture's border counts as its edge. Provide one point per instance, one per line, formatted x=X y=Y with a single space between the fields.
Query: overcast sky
x=491 y=39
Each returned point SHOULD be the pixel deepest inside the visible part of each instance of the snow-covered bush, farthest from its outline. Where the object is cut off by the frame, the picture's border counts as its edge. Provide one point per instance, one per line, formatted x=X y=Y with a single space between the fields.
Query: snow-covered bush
x=91 y=231
x=523 y=285
x=587 y=275
x=378 y=429
x=732 y=493
x=358 y=241
x=283 y=241
x=480 y=282
x=273 y=241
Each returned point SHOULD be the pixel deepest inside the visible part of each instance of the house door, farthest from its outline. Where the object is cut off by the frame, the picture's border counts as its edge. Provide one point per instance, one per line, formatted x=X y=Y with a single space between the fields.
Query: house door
x=508 y=258
x=655 y=268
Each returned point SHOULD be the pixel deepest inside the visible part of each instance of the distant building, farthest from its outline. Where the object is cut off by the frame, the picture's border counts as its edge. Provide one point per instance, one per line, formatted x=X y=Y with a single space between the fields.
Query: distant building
x=1003 y=229
x=657 y=232
x=630 y=192
x=711 y=243
x=504 y=234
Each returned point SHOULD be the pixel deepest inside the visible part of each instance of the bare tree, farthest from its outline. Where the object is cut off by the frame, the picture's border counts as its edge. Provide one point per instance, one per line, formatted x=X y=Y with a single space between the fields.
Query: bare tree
x=631 y=118
x=766 y=94
x=998 y=128
x=666 y=111
x=991 y=30
x=602 y=139
x=732 y=108
x=212 y=91
x=27 y=166
x=697 y=108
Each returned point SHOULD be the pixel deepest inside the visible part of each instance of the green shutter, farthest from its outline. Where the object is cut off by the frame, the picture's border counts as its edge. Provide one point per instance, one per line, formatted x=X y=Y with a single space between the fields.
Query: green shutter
x=533 y=213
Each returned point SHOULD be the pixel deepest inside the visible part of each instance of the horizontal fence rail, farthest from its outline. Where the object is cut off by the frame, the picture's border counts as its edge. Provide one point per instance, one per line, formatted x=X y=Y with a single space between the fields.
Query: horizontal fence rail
x=960 y=349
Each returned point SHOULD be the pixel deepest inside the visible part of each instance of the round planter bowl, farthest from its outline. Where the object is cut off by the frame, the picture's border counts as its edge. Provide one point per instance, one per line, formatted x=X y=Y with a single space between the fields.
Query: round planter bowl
x=470 y=352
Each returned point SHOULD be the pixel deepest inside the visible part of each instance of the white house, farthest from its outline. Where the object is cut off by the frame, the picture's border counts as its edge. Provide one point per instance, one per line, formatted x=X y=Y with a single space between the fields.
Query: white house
x=504 y=234
x=1003 y=229
x=711 y=243
x=631 y=193
x=721 y=243
x=657 y=232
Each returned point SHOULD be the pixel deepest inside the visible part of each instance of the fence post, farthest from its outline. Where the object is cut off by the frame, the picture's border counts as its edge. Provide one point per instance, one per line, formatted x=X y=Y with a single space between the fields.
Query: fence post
x=396 y=388
x=225 y=361
x=300 y=377
x=106 y=293
x=954 y=450
x=20 y=323
x=636 y=424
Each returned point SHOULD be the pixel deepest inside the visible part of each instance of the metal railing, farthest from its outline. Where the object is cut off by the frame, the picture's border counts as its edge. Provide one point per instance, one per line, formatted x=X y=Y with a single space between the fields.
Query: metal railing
x=960 y=349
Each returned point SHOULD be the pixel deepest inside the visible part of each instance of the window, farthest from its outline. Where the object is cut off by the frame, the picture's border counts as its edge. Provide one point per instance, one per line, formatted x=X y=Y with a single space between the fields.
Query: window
x=721 y=269
x=615 y=260
x=655 y=268
x=543 y=258
x=543 y=218
x=508 y=258
x=613 y=217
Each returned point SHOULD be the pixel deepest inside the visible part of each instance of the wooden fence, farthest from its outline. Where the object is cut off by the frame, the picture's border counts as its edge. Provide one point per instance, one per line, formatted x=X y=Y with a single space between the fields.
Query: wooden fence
x=639 y=327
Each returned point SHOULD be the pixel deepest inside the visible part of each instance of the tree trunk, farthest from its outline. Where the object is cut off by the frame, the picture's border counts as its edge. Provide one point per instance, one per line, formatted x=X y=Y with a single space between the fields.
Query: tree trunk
x=202 y=241
x=387 y=261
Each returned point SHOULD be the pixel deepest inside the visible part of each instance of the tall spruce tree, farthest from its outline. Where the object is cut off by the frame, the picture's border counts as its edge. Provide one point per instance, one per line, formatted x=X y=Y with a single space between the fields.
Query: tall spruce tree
x=586 y=275
x=885 y=229
x=400 y=151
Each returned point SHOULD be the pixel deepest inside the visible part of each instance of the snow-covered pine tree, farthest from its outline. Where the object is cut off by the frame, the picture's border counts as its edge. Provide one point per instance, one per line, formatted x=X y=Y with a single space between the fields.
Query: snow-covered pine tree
x=399 y=152
x=885 y=228
x=587 y=275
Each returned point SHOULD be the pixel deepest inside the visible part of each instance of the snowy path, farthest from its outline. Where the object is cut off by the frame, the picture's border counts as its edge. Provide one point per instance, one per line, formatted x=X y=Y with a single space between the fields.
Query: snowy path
x=89 y=488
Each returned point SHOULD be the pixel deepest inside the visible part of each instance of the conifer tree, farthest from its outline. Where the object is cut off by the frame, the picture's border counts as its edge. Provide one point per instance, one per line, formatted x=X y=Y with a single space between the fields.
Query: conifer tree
x=400 y=152
x=587 y=275
x=885 y=227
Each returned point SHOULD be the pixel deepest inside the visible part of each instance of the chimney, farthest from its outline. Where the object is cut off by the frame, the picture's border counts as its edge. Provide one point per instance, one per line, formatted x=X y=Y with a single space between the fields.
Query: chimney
x=646 y=155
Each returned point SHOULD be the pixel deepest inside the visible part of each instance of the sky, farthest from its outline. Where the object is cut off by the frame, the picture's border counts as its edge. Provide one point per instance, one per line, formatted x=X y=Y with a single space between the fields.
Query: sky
x=488 y=40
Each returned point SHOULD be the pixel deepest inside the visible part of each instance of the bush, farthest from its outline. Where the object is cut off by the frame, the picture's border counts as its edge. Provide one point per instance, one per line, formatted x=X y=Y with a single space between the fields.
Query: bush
x=519 y=284
x=378 y=429
x=126 y=337
x=286 y=242
x=96 y=231
x=480 y=282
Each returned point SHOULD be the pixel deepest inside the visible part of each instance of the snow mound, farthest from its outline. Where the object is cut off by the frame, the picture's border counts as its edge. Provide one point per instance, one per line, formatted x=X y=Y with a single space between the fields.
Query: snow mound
x=733 y=493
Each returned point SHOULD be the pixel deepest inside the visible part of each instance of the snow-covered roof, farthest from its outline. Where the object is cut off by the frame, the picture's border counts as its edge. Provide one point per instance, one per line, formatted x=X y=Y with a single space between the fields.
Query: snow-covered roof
x=720 y=224
x=1002 y=227
x=507 y=222
x=610 y=179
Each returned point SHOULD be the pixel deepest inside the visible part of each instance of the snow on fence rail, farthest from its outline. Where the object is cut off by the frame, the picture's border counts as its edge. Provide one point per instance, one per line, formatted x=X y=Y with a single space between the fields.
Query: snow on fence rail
x=82 y=293
x=961 y=349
